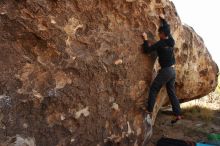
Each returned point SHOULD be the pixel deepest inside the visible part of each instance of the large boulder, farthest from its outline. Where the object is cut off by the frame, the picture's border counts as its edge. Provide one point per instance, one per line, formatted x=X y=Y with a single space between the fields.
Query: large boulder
x=74 y=73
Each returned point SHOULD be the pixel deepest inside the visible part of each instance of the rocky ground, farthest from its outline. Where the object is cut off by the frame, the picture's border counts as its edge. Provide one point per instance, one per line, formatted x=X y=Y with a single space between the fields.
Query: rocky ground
x=187 y=129
x=192 y=127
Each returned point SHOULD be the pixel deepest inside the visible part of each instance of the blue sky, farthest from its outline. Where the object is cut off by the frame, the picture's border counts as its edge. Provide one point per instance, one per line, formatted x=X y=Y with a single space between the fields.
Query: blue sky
x=204 y=17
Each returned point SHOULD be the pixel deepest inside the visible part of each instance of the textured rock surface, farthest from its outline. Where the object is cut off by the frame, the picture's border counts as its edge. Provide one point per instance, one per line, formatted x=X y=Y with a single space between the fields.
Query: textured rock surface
x=73 y=72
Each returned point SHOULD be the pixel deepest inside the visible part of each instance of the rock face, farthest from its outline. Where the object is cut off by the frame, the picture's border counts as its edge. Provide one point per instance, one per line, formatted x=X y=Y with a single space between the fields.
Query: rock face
x=74 y=73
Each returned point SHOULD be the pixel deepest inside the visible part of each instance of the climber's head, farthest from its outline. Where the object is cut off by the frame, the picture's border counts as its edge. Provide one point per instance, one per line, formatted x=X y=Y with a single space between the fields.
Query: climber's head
x=163 y=32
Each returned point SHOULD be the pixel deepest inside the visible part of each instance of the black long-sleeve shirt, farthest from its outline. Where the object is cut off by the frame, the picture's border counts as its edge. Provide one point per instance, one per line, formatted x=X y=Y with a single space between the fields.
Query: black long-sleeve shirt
x=164 y=48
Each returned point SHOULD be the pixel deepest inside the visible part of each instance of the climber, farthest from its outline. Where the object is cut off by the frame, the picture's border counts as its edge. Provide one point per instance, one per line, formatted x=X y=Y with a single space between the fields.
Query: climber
x=166 y=75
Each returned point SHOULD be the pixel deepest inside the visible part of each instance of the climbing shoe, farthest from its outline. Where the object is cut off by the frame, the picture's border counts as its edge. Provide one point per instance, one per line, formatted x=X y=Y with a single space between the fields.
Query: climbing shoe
x=177 y=118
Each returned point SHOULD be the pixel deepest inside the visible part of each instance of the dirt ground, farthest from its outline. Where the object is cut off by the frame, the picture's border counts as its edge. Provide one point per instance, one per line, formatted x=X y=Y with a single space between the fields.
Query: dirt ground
x=192 y=129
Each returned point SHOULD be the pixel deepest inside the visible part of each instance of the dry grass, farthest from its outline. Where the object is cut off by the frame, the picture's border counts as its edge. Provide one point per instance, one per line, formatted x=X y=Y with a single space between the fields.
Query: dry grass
x=218 y=87
x=199 y=112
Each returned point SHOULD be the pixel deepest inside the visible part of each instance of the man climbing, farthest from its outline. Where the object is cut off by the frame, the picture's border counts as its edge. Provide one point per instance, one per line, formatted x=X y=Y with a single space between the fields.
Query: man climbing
x=166 y=75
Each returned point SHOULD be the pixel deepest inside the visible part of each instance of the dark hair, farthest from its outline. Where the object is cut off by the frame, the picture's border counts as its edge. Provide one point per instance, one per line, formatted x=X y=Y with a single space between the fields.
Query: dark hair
x=164 y=30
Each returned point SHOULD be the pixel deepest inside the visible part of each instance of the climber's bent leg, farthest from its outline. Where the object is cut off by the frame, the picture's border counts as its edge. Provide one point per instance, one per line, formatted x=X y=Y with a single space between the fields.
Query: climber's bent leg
x=172 y=96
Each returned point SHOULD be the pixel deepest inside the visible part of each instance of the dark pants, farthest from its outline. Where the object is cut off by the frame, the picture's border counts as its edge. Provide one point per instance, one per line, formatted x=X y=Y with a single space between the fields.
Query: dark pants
x=165 y=76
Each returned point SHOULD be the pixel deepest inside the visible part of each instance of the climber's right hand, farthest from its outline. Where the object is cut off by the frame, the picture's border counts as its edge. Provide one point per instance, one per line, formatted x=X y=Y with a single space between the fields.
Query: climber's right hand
x=162 y=16
x=145 y=36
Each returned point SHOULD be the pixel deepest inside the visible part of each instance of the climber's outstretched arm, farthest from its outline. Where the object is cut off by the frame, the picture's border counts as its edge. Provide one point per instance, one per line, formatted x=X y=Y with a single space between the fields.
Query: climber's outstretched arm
x=166 y=27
